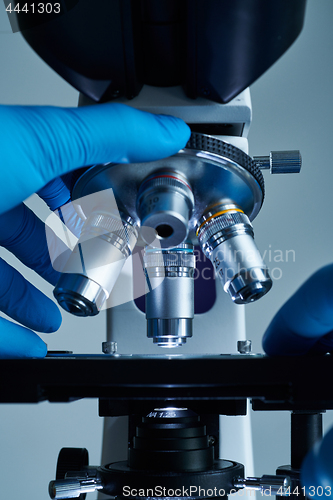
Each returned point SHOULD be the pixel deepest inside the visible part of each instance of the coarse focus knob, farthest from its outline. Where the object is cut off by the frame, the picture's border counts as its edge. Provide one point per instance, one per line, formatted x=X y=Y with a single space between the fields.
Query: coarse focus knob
x=71 y=460
x=280 y=162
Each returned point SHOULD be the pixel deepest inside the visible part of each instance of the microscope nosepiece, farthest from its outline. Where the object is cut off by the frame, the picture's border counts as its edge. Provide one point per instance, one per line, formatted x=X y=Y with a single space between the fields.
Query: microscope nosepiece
x=226 y=235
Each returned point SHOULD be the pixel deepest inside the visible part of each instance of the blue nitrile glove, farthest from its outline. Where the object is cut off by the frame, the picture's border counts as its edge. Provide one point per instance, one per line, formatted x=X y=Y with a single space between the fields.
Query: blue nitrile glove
x=317 y=469
x=38 y=144
x=23 y=234
x=304 y=324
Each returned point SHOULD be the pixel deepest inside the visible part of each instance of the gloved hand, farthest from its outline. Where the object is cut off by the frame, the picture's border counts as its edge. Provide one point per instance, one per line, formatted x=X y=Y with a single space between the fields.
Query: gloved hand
x=317 y=470
x=38 y=144
x=304 y=324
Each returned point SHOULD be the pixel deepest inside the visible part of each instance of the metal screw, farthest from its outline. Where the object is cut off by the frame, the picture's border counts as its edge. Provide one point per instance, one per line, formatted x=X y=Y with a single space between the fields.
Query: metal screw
x=211 y=440
x=109 y=347
x=244 y=346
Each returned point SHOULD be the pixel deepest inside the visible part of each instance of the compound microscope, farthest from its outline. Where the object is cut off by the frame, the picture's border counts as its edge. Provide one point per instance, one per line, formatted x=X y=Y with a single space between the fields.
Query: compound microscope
x=194 y=60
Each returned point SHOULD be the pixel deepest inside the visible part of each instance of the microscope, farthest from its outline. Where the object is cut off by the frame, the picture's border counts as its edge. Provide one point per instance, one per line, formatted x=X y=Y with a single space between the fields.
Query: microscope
x=157 y=230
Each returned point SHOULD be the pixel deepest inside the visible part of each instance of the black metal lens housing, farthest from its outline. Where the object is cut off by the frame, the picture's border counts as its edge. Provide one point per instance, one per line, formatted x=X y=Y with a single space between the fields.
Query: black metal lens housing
x=171 y=439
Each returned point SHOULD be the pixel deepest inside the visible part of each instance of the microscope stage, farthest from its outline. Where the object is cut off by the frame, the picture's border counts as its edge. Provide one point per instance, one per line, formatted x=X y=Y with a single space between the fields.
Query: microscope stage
x=211 y=383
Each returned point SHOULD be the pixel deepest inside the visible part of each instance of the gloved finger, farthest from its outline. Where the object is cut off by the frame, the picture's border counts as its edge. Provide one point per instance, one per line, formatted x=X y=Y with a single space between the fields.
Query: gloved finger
x=24 y=303
x=37 y=144
x=317 y=470
x=55 y=193
x=23 y=234
x=19 y=342
x=304 y=319
x=57 y=197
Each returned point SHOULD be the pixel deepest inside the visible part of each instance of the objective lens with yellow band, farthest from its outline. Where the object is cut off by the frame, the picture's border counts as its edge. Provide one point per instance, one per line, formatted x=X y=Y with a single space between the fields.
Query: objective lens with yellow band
x=226 y=237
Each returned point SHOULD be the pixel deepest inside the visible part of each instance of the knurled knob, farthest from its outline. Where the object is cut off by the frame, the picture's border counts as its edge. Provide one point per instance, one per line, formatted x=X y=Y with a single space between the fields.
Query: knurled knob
x=280 y=162
x=61 y=490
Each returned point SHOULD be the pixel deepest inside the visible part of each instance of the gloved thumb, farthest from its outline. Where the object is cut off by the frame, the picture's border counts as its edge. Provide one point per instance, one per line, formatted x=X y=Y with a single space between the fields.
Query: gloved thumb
x=19 y=342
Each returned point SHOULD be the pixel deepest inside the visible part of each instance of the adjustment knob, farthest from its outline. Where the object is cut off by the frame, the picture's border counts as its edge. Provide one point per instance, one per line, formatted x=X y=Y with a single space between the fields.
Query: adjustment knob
x=280 y=162
x=73 y=488
x=59 y=490
x=70 y=460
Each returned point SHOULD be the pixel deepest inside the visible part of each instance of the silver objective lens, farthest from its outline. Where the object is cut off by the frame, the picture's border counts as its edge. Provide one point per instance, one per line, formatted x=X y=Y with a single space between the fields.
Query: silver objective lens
x=226 y=236
x=170 y=301
x=105 y=243
x=165 y=203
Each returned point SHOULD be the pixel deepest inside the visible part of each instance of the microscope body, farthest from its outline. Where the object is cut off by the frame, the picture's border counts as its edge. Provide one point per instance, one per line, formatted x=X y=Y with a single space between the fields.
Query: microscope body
x=219 y=323
x=212 y=332
x=194 y=60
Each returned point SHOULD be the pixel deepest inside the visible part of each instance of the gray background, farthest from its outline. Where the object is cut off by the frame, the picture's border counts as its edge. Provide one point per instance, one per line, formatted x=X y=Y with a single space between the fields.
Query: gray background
x=292 y=109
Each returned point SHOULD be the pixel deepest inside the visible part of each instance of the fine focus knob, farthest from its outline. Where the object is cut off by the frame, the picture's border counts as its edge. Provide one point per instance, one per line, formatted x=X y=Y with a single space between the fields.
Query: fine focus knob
x=59 y=490
x=73 y=488
x=280 y=162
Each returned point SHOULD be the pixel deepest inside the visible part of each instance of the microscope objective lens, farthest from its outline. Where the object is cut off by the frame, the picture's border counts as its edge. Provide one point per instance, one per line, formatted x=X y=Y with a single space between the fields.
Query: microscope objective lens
x=170 y=298
x=226 y=237
x=106 y=241
x=165 y=202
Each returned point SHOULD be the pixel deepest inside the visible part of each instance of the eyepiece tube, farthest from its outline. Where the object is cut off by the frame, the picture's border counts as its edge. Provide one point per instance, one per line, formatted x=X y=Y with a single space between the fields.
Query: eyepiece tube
x=226 y=237
x=107 y=240
x=170 y=299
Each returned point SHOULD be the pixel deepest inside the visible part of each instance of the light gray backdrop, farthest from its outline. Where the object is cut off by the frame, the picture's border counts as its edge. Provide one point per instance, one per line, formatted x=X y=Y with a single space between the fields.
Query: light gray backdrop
x=292 y=109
